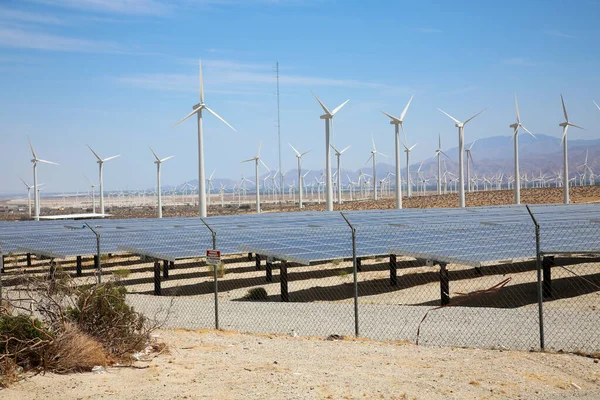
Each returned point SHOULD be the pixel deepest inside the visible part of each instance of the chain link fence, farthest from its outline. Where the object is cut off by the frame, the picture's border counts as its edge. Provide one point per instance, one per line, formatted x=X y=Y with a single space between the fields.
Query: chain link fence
x=350 y=280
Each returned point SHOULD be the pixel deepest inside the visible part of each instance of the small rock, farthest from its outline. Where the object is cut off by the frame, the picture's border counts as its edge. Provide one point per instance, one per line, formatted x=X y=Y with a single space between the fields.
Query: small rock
x=334 y=337
x=275 y=362
x=98 y=369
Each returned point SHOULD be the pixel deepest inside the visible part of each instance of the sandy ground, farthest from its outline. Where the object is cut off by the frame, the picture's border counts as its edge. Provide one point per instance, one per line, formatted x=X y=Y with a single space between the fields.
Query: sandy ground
x=222 y=365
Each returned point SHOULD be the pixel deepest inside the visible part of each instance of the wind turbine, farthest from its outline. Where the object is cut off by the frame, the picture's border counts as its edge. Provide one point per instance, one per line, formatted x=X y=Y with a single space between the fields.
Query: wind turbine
x=398 y=123
x=209 y=184
x=565 y=125
x=299 y=157
x=100 y=164
x=198 y=111
x=327 y=117
x=438 y=154
x=469 y=157
x=407 y=150
x=158 y=162
x=36 y=195
x=461 y=150
x=516 y=126
x=373 y=156
x=93 y=194
x=256 y=161
x=28 y=195
x=338 y=154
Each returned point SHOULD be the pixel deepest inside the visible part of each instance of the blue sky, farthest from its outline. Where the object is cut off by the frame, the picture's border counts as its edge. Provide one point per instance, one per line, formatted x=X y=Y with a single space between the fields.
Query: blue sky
x=117 y=74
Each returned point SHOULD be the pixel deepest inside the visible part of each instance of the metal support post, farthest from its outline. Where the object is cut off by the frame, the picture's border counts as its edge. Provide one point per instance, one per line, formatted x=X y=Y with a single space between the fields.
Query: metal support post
x=269 y=269
x=166 y=269
x=172 y=265
x=393 y=270
x=157 y=291
x=358 y=264
x=97 y=256
x=538 y=263
x=444 y=284
x=215 y=277
x=547 y=264
x=78 y=266
x=29 y=259
x=283 y=282
x=257 y=260
x=355 y=269
x=249 y=256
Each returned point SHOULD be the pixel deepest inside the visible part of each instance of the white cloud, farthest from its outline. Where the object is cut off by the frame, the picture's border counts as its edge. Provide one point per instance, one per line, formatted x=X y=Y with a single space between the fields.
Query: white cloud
x=9 y=15
x=239 y=77
x=560 y=34
x=19 y=38
x=138 y=7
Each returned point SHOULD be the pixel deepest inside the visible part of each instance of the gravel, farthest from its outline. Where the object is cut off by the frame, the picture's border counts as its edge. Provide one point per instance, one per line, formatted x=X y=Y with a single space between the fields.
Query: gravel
x=492 y=328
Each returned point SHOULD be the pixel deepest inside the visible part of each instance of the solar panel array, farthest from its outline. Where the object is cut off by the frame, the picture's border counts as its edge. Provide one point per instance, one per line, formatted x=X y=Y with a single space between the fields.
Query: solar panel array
x=470 y=236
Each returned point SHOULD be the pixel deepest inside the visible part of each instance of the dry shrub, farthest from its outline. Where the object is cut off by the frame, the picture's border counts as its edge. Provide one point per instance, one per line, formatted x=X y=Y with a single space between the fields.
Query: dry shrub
x=74 y=351
x=23 y=339
x=9 y=372
x=101 y=312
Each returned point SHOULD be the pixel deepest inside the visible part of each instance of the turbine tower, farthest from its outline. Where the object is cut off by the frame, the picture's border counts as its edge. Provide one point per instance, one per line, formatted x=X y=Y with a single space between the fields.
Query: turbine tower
x=28 y=195
x=256 y=161
x=327 y=117
x=158 y=162
x=338 y=154
x=438 y=154
x=299 y=157
x=461 y=150
x=100 y=164
x=36 y=193
x=198 y=111
x=565 y=125
x=373 y=156
x=469 y=157
x=407 y=150
x=516 y=126
x=398 y=123
x=93 y=194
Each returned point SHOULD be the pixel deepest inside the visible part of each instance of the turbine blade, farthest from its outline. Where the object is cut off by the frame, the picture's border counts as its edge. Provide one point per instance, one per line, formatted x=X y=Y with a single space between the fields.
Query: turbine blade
x=392 y=117
x=565 y=128
x=369 y=159
x=464 y=123
x=166 y=158
x=187 y=116
x=381 y=154
x=96 y=154
x=450 y=116
x=250 y=159
x=217 y=115
x=295 y=151
x=306 y=152
x=596 y=104
x=527 y=130
x=517 y=108
x=31 y=146
x=403 y=132
x=201 y=85
x=445 y=154
x=259 y=147
x=373 y=140
x=564 y=108
x=155 y=156
x=322 y=105
x=211 y=175
x=413 y=146
x=347 y=147
x=470 y=147
x=110 y=158
x=24 y=182
x=338 y=108
x=576 y=126
x=264 y=165
x=47 y=162
x=405 y=109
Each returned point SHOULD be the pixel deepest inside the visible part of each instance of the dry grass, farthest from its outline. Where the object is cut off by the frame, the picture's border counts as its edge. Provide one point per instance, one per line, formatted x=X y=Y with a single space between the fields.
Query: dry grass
x=74 y=350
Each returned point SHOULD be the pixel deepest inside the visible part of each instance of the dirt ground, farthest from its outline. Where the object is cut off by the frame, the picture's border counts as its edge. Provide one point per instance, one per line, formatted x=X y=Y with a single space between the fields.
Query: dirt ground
x=223 y=365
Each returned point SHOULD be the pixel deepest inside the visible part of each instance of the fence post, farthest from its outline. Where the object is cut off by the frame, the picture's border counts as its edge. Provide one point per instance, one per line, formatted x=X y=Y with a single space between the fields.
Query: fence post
x=1 y=273
x=98 y=262
x=355 y=273
x=538 y=263
x=214 y=247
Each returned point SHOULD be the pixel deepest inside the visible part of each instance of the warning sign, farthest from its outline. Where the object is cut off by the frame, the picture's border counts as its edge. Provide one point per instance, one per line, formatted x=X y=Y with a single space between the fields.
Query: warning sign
x=213 y=257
